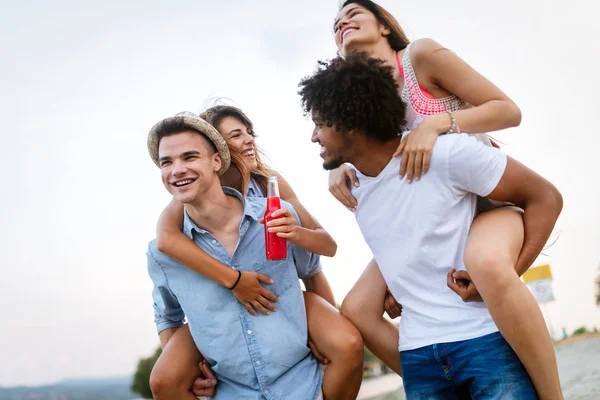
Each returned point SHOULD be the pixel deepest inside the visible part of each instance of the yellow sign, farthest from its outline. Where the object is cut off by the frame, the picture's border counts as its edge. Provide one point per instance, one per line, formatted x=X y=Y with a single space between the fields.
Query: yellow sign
x=537 y=273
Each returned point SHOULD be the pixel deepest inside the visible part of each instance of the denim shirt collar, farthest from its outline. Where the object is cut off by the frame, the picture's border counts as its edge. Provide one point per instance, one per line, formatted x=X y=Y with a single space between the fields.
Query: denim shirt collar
x=189 y=226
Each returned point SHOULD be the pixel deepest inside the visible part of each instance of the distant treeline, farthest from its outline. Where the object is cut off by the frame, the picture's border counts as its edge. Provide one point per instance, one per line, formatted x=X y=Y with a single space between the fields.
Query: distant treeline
x=110 y=389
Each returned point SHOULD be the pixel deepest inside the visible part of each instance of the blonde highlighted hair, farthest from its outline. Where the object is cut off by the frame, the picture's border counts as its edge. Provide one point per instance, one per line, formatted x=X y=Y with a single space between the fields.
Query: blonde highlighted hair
x=214 y=116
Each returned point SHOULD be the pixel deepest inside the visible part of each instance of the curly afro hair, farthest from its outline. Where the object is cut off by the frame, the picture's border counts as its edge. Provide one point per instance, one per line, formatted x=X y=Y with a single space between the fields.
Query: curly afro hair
x=356 y=92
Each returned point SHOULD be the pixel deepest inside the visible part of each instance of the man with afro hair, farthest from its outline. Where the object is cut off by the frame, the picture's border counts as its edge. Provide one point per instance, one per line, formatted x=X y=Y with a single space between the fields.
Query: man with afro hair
x=417 y=232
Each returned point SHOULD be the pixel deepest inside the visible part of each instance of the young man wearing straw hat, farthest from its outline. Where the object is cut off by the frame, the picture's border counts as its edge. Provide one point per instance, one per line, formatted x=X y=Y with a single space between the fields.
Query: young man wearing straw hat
x=253 y=357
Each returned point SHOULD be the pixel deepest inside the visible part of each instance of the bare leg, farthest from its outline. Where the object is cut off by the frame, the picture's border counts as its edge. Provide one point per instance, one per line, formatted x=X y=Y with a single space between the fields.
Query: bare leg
x=340 y=342
x=363 y=306
x=491 y=253
x=176 y=369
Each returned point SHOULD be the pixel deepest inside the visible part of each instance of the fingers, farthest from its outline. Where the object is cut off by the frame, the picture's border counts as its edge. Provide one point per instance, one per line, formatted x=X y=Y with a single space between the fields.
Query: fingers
x=451 y=284
x=395 y=308
x=462 y=287
x=461 y=275
x=320 y=357
x=410 y=166
x=264 y=279
x=350 y=200
x=200 y=391
x=207 y=371
x=285 y=226
x=351 y=174
x=281 y=212
x=253 y=295
x=418 y=165
x=259 y=307
x=250 y=309
x=403 y=164
x=426 y=162
x=400 y=149
x=463 y=284
x=472 y=294
x=205 y=386
x=267 y=304
x=392 y=308
x=268 y=295
x=282 y=218
x=344 y=196
x=286 y=235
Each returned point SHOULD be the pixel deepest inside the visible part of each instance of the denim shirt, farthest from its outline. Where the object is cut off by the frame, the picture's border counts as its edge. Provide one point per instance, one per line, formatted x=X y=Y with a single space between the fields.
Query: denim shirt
x=262 y=357
x=254 y=189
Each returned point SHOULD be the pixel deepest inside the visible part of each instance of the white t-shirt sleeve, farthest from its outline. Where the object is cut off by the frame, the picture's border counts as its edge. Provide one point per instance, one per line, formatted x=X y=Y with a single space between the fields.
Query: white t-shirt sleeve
x=473 y=166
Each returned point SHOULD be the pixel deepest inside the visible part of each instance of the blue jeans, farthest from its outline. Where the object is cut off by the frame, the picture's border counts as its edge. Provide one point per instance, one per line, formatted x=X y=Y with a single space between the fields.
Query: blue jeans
x=482 y=368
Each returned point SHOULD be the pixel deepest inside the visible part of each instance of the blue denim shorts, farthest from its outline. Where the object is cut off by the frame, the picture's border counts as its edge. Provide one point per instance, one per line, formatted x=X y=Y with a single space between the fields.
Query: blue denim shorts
x=482 y=368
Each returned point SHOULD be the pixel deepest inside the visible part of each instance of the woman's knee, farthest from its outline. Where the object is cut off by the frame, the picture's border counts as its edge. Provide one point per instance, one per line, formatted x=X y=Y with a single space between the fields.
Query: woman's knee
x=162 y=382
x=494 y=242
x=353 y=308
x=348 y=347
x=168 y=378
x=350 y=342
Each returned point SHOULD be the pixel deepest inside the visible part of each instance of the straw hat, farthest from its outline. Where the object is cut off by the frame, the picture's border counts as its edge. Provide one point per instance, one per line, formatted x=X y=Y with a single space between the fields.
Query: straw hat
x=192 y=121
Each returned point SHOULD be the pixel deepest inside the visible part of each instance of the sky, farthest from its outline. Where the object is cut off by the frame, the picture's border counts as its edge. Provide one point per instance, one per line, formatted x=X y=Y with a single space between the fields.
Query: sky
x=83 y=82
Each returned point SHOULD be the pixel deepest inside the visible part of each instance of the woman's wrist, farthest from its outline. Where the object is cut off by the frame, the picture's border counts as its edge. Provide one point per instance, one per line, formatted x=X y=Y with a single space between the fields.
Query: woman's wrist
x=230 y=278
x=232 y=287
x=299 y=237
x=440 y=123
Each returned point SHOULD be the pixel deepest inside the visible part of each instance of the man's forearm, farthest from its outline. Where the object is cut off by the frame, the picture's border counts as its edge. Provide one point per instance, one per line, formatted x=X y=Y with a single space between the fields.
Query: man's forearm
x=539 y=219
x=318 y=284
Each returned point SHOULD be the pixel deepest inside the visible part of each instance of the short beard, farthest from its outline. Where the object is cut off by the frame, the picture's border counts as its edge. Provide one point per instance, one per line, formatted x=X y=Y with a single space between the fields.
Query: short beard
x=332 y=164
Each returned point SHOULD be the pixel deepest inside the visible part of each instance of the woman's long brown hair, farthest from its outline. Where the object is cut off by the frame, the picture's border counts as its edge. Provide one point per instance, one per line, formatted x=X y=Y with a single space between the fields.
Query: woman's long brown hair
x=214 y=116
x=397 y=38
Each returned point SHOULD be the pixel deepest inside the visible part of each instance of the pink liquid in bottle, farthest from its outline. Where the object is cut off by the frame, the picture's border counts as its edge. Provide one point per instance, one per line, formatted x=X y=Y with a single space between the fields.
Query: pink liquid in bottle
x=276 y=246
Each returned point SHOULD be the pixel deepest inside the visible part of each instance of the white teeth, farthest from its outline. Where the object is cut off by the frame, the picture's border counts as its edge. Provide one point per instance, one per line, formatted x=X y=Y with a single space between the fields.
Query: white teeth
x=181 y=183
x=249 y=153
x=347 y=31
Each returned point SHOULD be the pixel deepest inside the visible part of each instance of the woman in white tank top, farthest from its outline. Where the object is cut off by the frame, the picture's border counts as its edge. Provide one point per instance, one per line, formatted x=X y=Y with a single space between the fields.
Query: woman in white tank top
x=443 y=94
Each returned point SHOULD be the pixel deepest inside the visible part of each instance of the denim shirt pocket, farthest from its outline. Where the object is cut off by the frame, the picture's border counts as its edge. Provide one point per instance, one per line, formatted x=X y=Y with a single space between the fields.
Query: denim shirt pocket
x=282 y=272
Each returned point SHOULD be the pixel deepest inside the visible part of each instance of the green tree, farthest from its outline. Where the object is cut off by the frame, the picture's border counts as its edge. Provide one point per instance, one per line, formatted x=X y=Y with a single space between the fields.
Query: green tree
x=141 y=379
x=580 y=331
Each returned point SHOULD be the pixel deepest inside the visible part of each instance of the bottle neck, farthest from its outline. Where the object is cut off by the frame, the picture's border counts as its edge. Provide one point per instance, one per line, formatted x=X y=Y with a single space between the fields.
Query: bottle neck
x=273 y=187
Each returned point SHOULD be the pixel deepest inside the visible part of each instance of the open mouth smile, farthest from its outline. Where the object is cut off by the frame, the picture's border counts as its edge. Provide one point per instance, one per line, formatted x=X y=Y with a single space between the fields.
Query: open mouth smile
x=183 y=182
x=346 y=32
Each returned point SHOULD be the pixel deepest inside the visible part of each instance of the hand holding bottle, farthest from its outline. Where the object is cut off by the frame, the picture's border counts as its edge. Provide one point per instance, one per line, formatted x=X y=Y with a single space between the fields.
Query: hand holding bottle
x=275 y=245
x=283 y=223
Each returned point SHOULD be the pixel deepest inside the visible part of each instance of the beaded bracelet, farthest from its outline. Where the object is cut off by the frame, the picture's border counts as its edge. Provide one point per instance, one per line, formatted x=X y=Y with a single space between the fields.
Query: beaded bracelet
x=454 y=128
x=237 y=281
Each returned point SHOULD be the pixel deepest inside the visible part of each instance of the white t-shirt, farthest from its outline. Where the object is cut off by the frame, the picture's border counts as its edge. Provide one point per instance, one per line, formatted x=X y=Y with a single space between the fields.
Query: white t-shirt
x=417 y=233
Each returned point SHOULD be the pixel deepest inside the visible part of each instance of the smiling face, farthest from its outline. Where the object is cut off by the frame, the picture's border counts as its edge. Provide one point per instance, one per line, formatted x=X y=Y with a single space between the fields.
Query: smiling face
x=189 y=165
x=239 y=137
x=357 y=29
x=336 y=145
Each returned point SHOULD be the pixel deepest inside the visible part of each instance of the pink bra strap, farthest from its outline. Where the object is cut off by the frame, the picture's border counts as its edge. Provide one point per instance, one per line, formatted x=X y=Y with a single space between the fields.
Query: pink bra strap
x=401 y=69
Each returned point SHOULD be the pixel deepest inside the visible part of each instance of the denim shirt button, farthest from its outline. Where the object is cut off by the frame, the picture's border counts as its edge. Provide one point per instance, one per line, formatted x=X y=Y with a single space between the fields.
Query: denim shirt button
x=257 y=362
x=249 y=332
x=214 y=241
